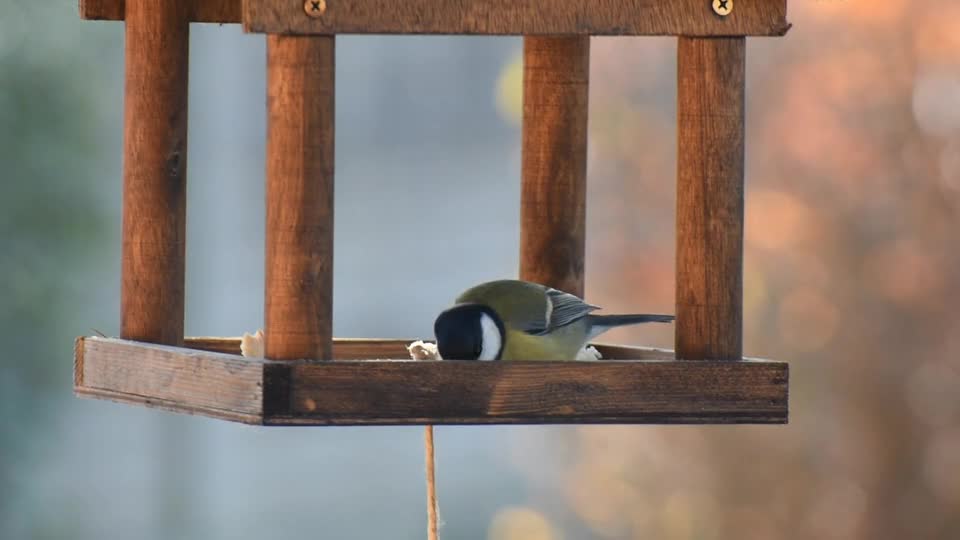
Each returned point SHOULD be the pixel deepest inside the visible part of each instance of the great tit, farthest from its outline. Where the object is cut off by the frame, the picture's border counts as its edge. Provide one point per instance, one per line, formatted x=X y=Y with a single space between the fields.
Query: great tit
x=518 y=320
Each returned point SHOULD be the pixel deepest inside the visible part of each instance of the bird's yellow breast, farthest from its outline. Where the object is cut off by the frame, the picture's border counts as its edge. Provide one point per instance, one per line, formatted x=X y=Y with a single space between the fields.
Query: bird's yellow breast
x=562 y=344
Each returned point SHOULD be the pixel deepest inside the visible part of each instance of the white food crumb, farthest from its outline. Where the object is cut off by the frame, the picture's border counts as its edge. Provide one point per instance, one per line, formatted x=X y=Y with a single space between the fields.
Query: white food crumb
x=251 y=345
x=589 y=353
x=421 y=350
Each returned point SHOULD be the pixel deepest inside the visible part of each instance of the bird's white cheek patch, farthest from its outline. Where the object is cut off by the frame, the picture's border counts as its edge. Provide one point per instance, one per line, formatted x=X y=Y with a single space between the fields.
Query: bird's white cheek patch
x=492 y=340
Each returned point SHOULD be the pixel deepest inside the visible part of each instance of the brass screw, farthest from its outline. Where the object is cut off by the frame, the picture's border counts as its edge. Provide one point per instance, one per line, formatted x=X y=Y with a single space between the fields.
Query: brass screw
x=315 y=8
x=722 y=7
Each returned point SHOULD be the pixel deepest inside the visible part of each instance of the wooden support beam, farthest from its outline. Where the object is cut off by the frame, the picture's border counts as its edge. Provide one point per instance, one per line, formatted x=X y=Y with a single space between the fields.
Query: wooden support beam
x=657 y=390
x=202 y=11
x=299 y=240
x=710 y=128
x=154 y=171
x=553 y=195
x=531 y=392
x=518 y=17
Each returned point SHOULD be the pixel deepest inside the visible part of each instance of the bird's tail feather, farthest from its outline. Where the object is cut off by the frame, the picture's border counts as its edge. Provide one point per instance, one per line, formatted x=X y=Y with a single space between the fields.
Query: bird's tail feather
x=602 y=323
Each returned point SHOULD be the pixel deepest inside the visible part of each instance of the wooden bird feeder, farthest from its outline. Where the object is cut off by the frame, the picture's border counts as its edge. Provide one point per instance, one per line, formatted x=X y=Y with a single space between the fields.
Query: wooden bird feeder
x=310 y=378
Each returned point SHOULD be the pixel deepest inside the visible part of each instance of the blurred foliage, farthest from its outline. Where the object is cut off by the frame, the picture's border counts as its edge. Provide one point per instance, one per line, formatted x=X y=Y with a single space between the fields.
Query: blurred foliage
x=50 y=220
x=851 y=274
x=519 y=523
x=509 y=96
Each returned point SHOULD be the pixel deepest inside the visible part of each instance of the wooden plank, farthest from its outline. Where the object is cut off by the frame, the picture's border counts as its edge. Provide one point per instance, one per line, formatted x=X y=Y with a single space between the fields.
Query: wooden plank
x=154 y=171
x=226 y=345
x=298 y=294
x=343 y=348
x=518 y=17
x=710 y=133
x=202 y=11
x=396 y=349
x=401 y=393
x=553 y=195
x=171 y=378
x=627 y=352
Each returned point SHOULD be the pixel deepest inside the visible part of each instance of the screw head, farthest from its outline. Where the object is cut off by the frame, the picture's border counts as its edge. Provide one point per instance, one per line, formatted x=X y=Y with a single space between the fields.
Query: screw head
x=314 y=8
x=722 y=7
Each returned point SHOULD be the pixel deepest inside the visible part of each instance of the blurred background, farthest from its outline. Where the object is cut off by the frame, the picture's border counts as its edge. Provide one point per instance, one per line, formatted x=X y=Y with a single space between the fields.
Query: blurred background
x=852 y=273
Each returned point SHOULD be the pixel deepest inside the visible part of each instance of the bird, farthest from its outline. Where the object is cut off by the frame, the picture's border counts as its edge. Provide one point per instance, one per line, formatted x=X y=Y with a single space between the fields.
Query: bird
x=512 y=319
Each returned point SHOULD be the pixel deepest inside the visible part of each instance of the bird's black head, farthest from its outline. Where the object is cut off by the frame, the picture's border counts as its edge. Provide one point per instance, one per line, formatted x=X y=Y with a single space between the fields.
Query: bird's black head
x=469 y=332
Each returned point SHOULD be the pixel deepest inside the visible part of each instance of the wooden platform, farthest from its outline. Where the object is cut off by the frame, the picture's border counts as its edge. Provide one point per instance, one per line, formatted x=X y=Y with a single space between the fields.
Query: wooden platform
x=210 y=378
x=484 y=17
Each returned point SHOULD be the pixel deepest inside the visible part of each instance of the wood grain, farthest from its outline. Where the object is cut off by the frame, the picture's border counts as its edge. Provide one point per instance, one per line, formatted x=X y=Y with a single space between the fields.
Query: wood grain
x=202 y=11
x=403 y=392
x=226 y=345
x=173 y=378
x=154 y=171
x=346 y=393
x=553 y=195
x=299 y=193
x=518 y=17
x=710 y=105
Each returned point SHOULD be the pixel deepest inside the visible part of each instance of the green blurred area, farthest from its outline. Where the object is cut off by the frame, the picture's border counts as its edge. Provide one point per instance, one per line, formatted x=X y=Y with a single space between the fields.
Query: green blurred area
x=54 y=232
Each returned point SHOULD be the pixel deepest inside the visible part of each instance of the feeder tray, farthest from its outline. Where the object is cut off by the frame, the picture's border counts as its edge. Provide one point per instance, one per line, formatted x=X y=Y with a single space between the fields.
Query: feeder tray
x=209 y=378
x=707 y=380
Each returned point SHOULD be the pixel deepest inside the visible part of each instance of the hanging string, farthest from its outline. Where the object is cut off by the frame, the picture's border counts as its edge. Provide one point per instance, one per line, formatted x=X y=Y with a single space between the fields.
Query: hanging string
x=432 y=512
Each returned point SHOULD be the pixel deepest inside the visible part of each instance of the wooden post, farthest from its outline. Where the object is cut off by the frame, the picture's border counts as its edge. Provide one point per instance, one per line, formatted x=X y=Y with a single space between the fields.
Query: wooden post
x=710 y=111
x=154 y=171
x=556 y=73
x=299 y=240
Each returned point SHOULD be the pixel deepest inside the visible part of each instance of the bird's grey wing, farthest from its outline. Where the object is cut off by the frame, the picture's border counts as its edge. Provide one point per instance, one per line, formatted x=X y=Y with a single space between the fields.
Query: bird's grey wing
x=533 y=308
x=523 y=305
x=563 y=309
